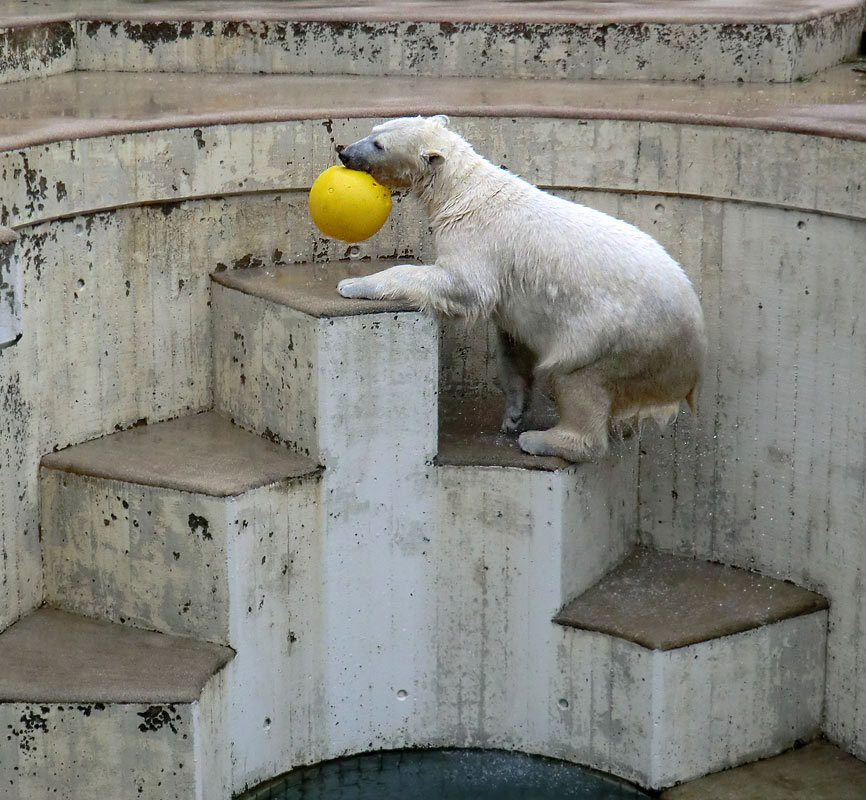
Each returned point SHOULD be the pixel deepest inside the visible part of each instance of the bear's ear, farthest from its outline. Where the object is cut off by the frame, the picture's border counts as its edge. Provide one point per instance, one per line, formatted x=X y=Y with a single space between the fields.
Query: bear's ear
x=434 y=158
x=441 y=120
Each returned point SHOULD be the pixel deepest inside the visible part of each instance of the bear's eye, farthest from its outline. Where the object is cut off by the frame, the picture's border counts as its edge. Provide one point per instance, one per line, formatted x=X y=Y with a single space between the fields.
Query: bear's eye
x=377 y=144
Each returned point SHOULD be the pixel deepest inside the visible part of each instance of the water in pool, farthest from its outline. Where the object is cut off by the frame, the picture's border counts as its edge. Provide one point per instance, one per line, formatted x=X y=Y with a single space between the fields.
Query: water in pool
x=445 y=775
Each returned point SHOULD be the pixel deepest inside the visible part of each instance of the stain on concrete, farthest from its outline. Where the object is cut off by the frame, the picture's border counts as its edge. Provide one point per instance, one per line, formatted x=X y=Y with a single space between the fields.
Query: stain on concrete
x=200 y=524
x=157 y=717
x=153 y=34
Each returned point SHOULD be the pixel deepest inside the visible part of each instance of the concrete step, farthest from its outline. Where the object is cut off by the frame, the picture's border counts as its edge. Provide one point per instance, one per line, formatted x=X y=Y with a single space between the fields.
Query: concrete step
x=818 y=771
x=93 y=709
x=831 y=104
x=721 y=666
x=299 y=363
x=773 y=40
x=181 y=527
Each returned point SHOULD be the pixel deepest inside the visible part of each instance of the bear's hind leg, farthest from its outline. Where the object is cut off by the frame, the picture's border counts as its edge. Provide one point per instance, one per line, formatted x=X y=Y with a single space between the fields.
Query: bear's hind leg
x=515 y=364
x=581 y=434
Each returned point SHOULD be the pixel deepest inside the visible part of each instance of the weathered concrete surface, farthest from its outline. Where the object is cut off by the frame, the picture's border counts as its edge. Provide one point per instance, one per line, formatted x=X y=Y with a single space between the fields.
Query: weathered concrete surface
x=625 y=157
x=117 y=712
x=78 y=747
x=657 y=717
x=831 y=103
x=10 y=289
x=36 y=51
x=737 y=41
x=327 y=385
x=117 y=309
x=28 y=12
x=663 y=602
x=158 y=553
x=657 y=51
x=510 y=547
x=818 y=771
x=203 y=454
x=40 y=183
x=469 y=423
x=53 y=656
x=311 y=288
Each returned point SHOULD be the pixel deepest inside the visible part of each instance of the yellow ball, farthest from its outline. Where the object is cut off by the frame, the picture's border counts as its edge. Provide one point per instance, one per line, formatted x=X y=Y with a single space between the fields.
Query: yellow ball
x=349 y=205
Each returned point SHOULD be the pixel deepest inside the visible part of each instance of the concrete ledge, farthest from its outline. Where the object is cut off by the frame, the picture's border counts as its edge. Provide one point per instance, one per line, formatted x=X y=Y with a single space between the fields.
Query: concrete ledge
x=469 y=435
x=204 y=454
x=310 y=288
x=663 y=602
x=92 y=709
x=736 y=41
x=180 y=527
x=575 y=11
x=54 y=656
x=831 y=104
x=818 y=771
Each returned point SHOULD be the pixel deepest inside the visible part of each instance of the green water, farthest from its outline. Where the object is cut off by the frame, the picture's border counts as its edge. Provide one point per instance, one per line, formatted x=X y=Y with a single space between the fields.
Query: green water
x=445 y=775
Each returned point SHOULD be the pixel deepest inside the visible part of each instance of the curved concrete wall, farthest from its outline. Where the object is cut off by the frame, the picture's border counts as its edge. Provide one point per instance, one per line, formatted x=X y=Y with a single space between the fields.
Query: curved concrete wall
x=781 y=43
x=770 y=226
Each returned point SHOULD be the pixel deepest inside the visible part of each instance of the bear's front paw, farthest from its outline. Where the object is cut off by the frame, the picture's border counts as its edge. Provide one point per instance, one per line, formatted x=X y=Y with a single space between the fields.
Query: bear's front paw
x=356 y=289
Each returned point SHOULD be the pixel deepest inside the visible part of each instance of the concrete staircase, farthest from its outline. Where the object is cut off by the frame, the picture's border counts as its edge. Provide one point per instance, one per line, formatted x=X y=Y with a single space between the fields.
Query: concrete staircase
x=248 y=524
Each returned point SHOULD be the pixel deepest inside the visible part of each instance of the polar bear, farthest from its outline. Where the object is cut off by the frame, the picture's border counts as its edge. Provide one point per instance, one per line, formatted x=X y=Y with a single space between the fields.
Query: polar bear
x=578 y=296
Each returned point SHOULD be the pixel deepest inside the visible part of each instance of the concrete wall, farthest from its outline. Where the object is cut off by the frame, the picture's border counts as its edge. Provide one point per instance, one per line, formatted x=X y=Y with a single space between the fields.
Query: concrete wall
x=114 y=316
x=666 y=46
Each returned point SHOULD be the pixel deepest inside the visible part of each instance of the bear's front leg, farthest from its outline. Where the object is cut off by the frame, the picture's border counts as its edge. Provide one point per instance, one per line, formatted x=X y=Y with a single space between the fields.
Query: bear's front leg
x=430 y=288
x=396 y=283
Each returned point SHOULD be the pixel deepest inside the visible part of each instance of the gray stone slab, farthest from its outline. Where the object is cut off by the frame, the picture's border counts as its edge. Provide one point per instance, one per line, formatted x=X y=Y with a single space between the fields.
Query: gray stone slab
x=818 y=771
x=204 y=453
x=663 y=602
x=832 y=104
x=53 y=656
x=311 y=288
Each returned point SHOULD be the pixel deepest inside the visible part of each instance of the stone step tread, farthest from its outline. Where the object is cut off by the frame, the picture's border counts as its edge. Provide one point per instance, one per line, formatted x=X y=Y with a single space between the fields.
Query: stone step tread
x=310 y=288
x=204 y=453
x=52 y=656
x=39 y=110
x=469 y=436
x=587 y=12
x=663 y=602
x=818 y=771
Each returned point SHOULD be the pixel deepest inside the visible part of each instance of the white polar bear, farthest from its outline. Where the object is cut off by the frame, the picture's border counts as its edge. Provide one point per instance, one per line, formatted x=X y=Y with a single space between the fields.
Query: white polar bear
x=578 y=295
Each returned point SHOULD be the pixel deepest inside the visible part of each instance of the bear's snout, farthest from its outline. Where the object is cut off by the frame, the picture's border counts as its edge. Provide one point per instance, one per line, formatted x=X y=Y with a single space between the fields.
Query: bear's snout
x=352 y=158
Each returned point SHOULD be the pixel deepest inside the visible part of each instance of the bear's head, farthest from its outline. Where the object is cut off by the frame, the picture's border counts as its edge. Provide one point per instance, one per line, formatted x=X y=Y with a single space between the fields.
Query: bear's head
x=403 y=152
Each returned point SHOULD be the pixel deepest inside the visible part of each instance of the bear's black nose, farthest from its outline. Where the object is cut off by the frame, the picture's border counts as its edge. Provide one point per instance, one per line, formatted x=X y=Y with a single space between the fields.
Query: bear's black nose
x=343 y=157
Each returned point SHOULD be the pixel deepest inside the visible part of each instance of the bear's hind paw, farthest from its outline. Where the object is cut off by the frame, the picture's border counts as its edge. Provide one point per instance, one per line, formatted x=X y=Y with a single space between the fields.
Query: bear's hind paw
x=562 y=443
